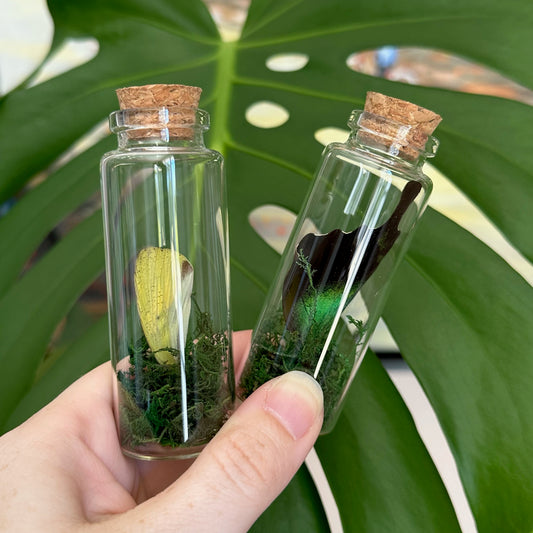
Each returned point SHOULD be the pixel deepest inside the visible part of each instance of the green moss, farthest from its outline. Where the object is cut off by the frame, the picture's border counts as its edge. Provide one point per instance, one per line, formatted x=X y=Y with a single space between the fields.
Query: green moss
x=276 y=349
x=151 y=393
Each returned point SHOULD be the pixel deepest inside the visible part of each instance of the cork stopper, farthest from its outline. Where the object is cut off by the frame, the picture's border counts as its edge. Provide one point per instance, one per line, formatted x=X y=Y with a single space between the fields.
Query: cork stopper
x=407 y=125
x=180 y=100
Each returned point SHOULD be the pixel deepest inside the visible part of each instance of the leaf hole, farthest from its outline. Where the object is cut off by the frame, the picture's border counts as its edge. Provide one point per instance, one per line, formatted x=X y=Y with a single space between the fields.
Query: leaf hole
x=274 y=225
x=436 y=68
x=287 y=62
x=331 y=134
x=73 y=53
x=266 y=114
x=27 y=31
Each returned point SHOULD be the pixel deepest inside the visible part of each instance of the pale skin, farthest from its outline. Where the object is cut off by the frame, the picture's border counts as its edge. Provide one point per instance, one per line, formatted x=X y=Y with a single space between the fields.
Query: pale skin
x=63 y=469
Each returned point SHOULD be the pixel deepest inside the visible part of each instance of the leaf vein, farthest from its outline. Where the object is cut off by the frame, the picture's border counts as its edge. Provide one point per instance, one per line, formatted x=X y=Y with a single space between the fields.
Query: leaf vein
x=270 y=158
x=255 y=280
x=325 y=31
x=252 y=82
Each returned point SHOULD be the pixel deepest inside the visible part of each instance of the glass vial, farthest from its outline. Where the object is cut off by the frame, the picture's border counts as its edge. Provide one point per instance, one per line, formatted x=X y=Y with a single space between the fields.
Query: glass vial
x=354 y=228
x=167 y=265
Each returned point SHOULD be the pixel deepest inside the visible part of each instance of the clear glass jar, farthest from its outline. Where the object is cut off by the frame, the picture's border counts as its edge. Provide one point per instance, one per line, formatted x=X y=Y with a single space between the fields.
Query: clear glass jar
x=167 y=264
x=354 y=228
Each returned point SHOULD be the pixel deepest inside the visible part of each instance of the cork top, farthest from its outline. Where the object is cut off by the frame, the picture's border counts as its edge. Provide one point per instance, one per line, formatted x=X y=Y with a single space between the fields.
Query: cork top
x=158 y=95
x=145 y=101
x=407 y=124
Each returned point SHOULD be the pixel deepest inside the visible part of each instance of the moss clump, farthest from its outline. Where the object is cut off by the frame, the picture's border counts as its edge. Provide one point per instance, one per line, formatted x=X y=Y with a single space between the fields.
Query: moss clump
x=293 y=338
x=276 y=350
x=151 y=393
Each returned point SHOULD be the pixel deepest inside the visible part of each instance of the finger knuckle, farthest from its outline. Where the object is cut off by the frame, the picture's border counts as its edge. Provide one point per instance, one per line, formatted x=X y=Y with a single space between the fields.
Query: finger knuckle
x=248 y=460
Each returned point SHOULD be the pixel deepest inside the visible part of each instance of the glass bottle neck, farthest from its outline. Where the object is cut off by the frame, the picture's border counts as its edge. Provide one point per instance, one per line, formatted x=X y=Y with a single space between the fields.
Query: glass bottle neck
x=160 y=139
x=173 y=127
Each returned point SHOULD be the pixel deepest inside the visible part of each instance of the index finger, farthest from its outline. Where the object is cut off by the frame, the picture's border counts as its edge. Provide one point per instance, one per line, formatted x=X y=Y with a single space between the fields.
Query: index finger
x=241 y=347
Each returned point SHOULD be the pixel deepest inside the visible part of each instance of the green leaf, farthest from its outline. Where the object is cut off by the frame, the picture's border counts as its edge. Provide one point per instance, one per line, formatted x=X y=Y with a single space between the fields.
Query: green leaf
x=459 y=314
x=91 y=349
x=139 y=43
x=376 y=440
x=463 y=319
x=44 y=207
x=34 y=306
x=298 y=508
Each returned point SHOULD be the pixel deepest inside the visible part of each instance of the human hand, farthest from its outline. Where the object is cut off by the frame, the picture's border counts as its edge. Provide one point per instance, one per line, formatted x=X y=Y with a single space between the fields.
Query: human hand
x=63 y=469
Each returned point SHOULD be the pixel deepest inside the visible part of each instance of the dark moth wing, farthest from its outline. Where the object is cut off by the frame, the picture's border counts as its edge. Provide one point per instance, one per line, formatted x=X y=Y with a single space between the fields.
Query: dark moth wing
x=323 y=262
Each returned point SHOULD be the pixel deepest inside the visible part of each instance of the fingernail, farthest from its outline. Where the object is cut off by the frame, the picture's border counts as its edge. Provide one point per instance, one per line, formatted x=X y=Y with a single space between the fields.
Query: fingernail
x=296 y=400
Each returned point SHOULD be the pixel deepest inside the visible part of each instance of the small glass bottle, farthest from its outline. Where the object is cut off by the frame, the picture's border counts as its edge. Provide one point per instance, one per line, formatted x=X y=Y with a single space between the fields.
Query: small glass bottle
x=355 y=225
x=167 y=265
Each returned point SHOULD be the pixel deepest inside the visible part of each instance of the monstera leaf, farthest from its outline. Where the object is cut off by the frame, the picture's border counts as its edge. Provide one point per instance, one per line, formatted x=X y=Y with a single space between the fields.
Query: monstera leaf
x=461 y=316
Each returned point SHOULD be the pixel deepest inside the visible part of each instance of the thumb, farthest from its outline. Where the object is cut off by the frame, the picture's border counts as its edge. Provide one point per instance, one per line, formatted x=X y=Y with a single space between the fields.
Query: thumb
x=248 y=463
x=255 y=455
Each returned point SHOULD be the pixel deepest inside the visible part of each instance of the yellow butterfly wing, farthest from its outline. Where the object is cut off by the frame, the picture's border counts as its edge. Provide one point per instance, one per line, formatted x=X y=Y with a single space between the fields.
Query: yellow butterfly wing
x=160 y=273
